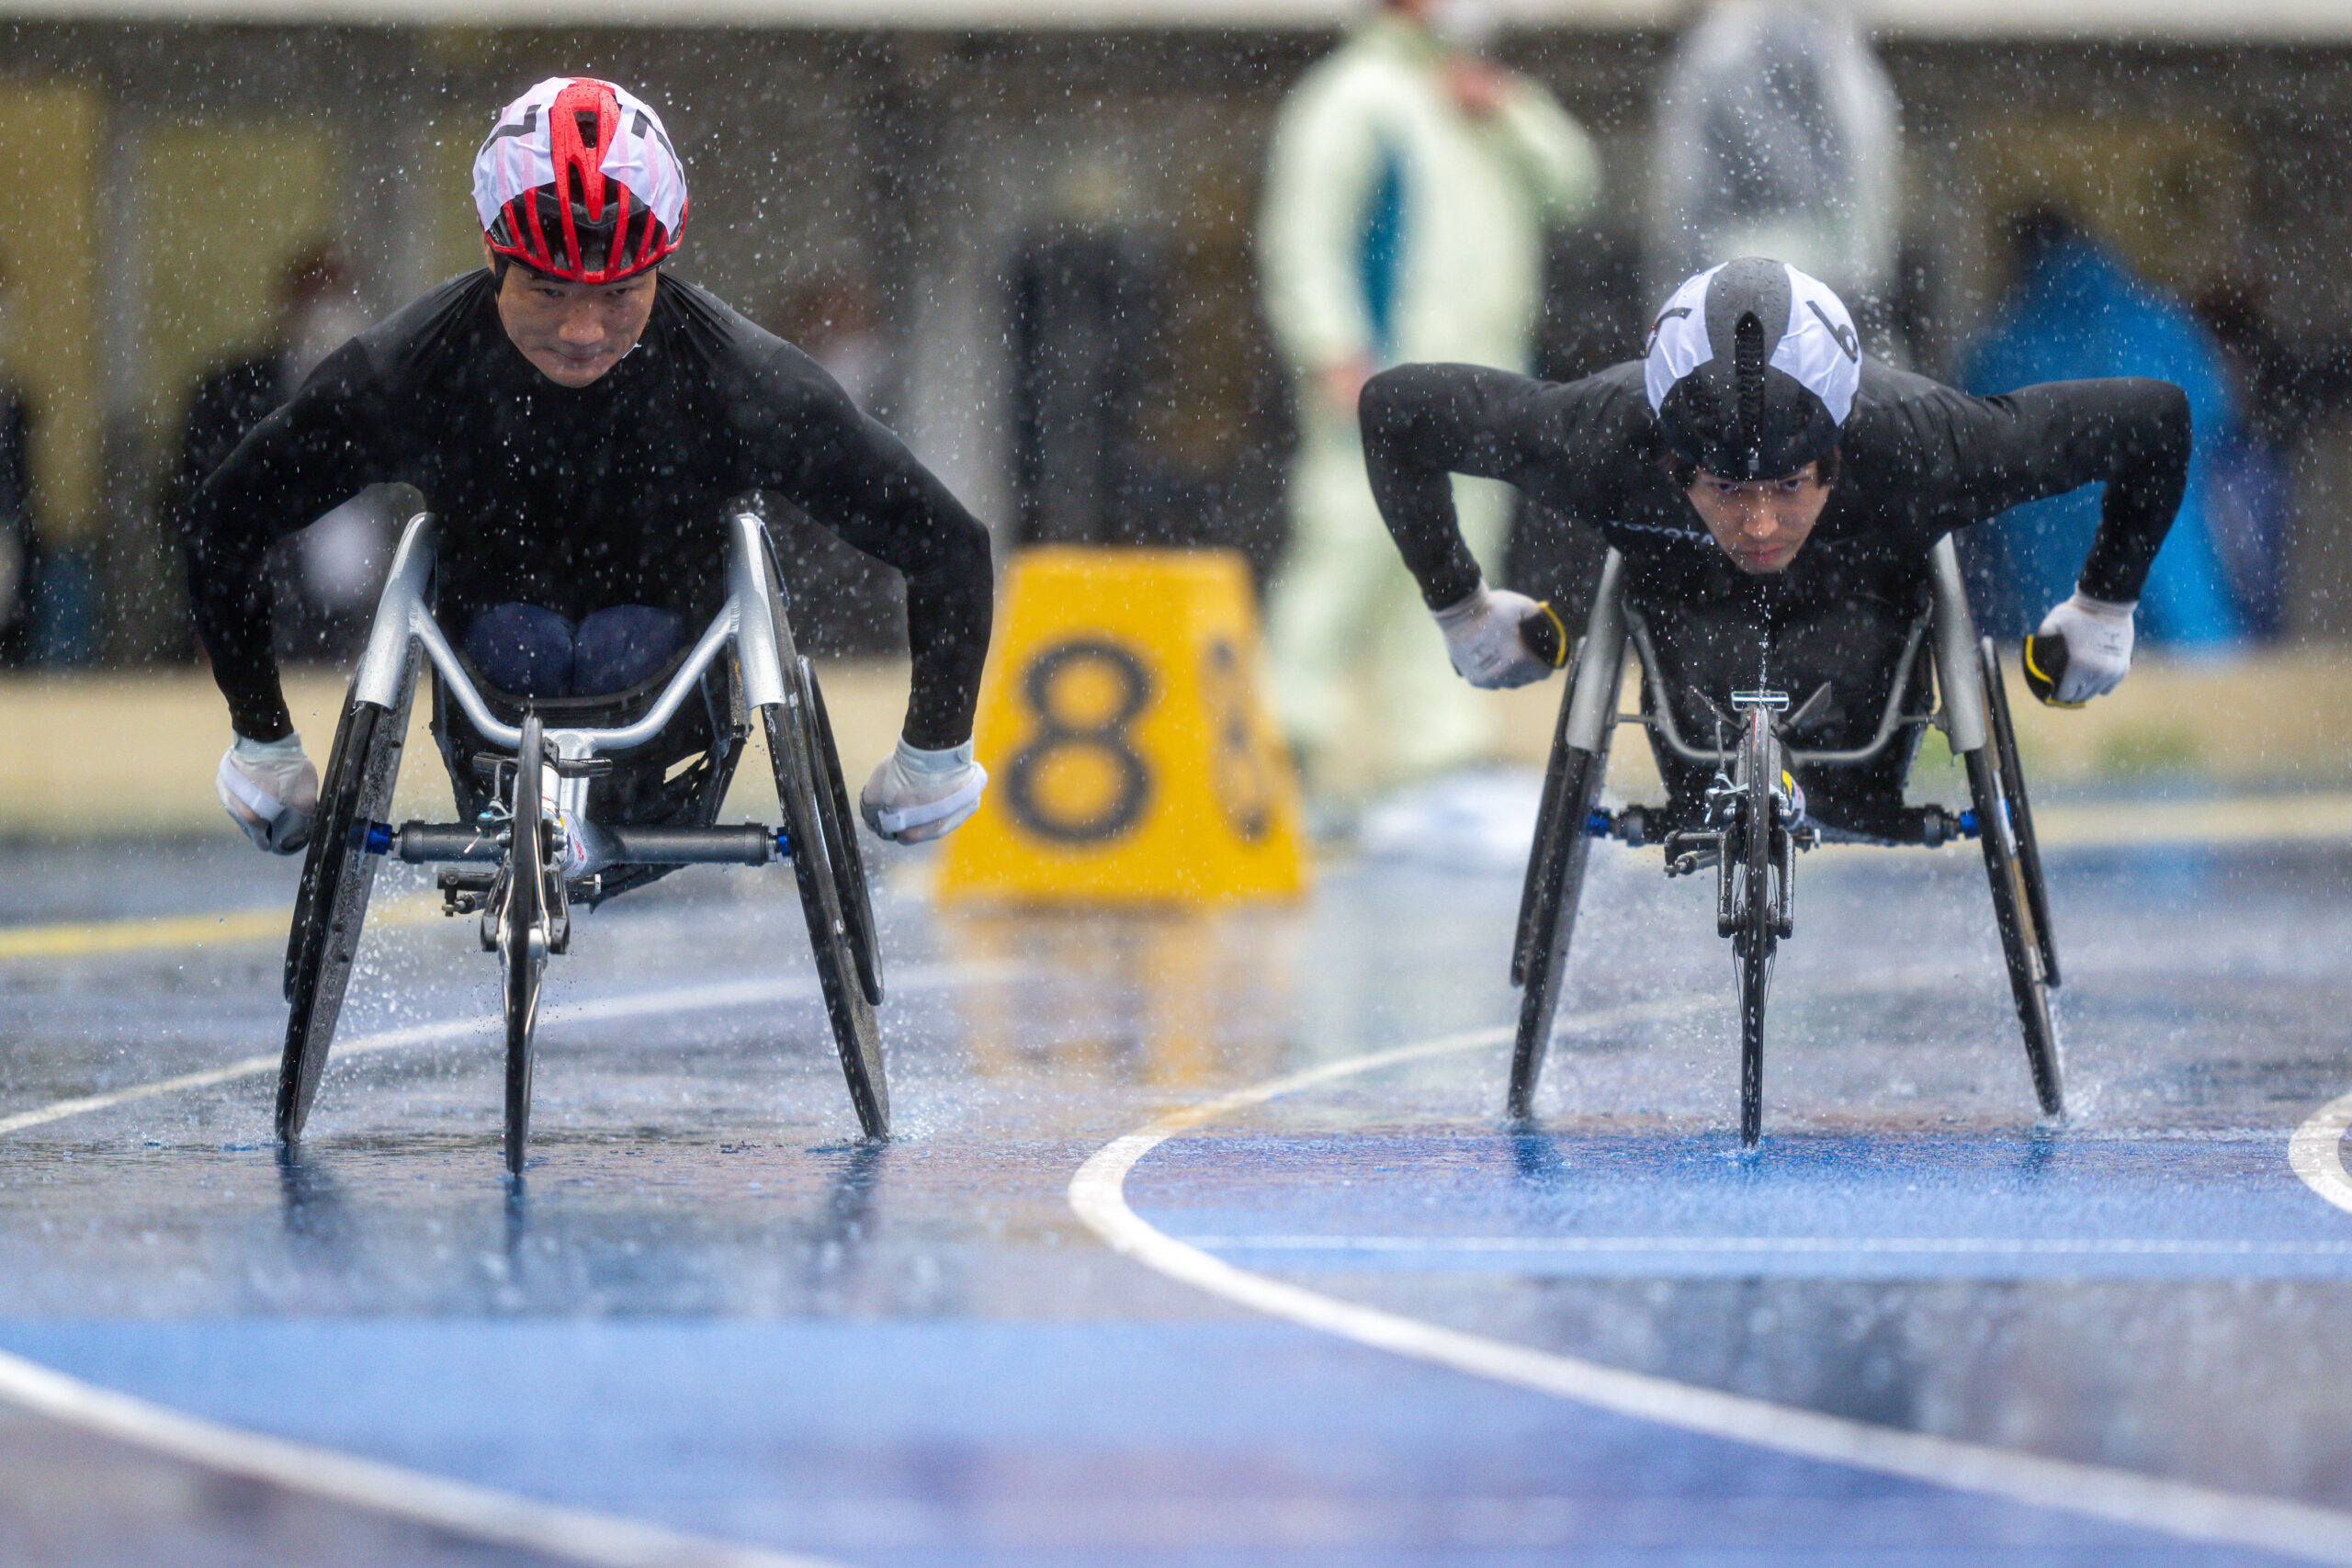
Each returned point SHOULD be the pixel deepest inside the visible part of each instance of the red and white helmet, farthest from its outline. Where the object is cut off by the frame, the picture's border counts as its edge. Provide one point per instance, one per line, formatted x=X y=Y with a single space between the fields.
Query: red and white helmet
x=579 y=169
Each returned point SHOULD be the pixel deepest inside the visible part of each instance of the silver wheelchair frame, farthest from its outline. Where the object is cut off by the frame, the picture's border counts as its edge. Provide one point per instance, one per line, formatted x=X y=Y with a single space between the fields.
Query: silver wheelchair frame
x=538 y=832
x=1971 y=708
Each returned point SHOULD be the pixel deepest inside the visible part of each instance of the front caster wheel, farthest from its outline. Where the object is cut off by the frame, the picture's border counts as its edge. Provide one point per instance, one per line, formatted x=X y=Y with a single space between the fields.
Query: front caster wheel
x=523 y=927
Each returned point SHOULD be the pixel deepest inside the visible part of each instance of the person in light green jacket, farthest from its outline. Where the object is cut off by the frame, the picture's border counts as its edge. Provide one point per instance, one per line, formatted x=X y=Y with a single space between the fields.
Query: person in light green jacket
x=1406 y=199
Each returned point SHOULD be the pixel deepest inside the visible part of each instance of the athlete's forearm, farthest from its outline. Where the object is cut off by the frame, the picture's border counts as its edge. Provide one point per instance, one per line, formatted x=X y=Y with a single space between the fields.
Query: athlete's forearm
x=950 y=609
x=230 y=596
x=2151 y=430
x=289 y=471
x=2128 y=434
x=232 y=618
x=853 y=475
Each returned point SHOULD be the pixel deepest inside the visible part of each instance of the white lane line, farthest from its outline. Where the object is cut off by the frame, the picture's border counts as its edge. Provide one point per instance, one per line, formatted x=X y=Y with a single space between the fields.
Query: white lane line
x=1776 y=1245
x=2316 y=1152
x=1097 y=1193
x=744 y=993
x=474 y=1513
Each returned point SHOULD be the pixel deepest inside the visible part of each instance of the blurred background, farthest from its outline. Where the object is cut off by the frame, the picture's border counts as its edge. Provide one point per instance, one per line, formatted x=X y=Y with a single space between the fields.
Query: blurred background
x=1024 y=235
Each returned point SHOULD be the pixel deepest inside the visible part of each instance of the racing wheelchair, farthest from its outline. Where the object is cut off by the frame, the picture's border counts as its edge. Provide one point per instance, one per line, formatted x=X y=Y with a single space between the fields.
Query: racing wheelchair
x=565 y=801
x=1753 y=824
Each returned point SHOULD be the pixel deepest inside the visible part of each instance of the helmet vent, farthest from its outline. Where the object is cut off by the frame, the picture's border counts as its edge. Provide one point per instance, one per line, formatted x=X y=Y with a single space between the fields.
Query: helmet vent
x=1748 y=375
x=560 y=183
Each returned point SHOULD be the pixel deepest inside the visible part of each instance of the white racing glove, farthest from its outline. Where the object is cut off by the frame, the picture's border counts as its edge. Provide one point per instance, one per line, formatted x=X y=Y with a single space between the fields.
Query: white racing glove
x=1482 y=639
x=2097 y=636
x=917 y=795
x=271 y=791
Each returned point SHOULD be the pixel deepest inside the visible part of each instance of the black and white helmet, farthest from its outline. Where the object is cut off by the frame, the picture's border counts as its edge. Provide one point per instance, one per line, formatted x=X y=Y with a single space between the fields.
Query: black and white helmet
x=1751 y=369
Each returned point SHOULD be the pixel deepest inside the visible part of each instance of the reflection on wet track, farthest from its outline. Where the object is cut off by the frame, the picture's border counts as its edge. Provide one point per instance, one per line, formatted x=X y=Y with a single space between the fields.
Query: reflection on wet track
x=710 y=1310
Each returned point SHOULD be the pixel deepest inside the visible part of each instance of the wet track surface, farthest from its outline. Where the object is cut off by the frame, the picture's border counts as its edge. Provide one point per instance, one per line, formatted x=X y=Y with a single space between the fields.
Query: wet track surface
x=710 y=1309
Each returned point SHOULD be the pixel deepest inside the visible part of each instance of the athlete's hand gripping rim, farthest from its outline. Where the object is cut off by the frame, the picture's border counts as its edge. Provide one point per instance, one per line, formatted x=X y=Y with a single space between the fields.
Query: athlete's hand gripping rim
x=1486 y=640
x=2082 y=650
x=270 y=790
x=917 y=795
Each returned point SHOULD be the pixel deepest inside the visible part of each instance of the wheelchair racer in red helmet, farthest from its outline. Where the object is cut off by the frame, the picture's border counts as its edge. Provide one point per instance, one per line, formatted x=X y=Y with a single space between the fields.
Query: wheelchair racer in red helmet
x=578 y=418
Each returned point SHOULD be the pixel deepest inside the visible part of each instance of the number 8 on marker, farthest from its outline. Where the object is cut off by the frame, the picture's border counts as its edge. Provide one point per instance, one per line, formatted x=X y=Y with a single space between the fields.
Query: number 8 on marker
x=1078 y=780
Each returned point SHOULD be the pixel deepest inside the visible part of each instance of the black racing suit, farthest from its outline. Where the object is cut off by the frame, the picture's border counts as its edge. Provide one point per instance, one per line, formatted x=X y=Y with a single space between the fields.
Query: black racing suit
x=1917 y=459
x=579 y=499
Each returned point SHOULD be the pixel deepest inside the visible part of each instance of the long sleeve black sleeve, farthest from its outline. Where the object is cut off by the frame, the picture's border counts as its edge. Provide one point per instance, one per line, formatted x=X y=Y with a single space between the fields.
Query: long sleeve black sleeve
x=2130 y=434
x=292 y=469
x=1423 y=424
x=851 y=473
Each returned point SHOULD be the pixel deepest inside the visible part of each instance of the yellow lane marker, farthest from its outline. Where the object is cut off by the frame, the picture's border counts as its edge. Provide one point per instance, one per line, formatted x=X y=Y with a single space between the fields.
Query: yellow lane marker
x=186 y=931
x=1098 y=1195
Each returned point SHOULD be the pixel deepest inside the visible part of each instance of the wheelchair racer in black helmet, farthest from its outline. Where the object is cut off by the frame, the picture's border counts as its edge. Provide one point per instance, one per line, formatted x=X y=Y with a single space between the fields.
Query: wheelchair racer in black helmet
x=1775 y=494
x=579 y=419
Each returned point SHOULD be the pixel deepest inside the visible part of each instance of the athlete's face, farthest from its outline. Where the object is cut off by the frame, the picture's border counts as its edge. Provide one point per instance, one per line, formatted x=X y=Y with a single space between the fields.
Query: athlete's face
x=1761 y=524
x=574 y=332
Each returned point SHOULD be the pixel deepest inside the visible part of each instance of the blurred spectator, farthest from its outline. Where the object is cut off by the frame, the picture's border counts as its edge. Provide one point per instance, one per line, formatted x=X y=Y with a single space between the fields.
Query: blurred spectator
x=1087 y=301
x=327 y=576
x=1777 y=135
x=1409 y=184
x=15 y=496
x=2075 y=311
x=2282 y=390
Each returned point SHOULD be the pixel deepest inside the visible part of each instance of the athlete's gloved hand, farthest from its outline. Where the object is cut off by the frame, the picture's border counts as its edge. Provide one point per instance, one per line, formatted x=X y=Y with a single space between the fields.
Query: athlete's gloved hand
x=917 y=795
x=271 y=791
x=2097 y=638
x=1482 y=639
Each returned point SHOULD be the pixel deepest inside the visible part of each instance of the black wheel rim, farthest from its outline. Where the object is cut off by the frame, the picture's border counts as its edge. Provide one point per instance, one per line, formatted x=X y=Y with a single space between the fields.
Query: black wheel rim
x=1535 y=909
x=856 y=1036
x=791 y=752
x=840 y=843
x=1756 y=976
x=317 y=965
x=2012 y=770
x=330 y=903
x=1555 y=881
x=322 y=869
x=2021 y=949
x=523 y=959
x=1758 y=919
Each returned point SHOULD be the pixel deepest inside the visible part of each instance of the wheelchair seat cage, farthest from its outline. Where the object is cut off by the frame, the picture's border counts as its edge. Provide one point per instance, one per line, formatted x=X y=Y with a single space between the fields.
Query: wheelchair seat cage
x=538 y=831
x=1753 y=826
